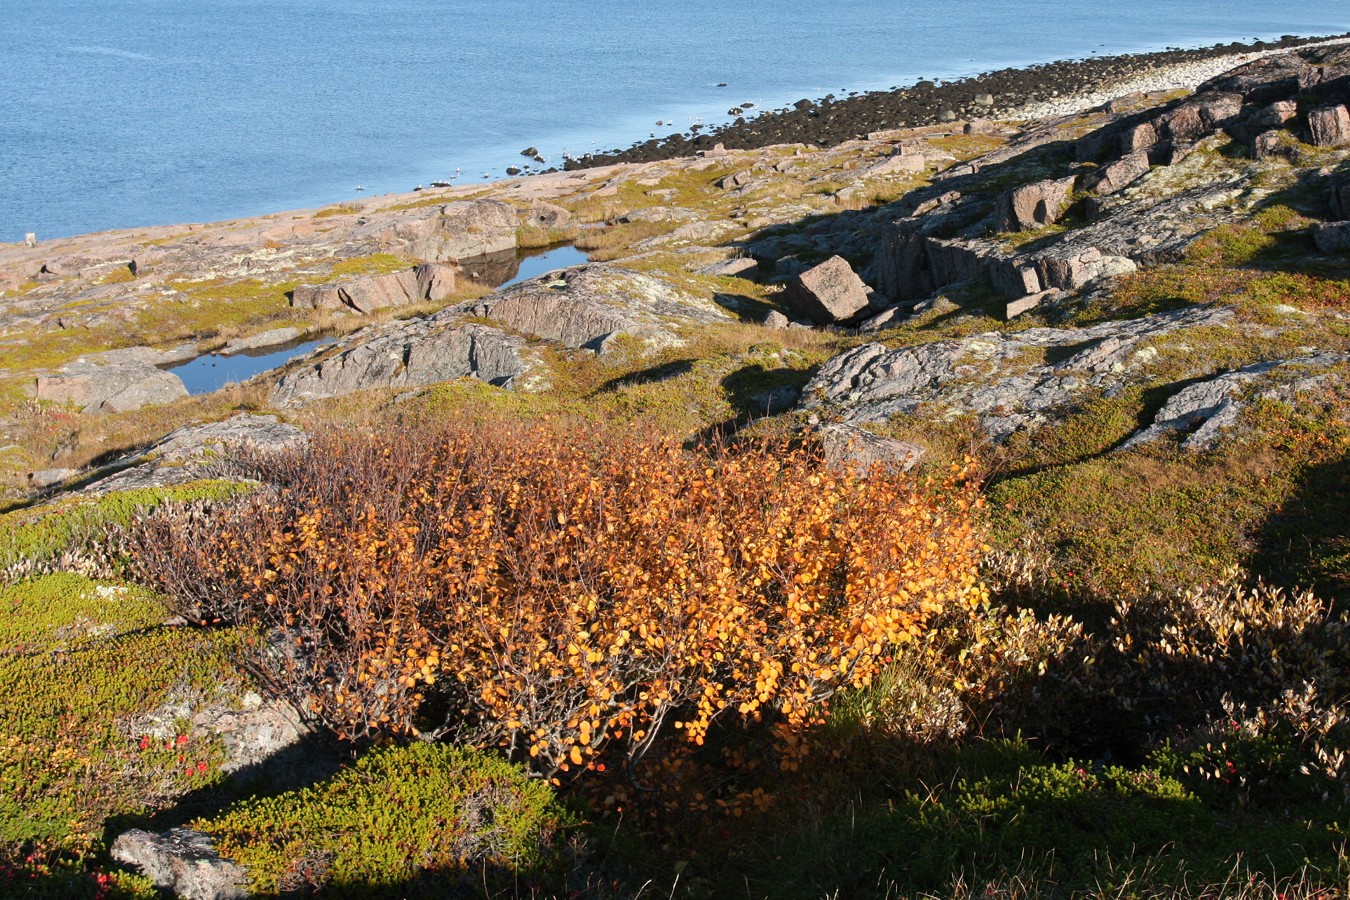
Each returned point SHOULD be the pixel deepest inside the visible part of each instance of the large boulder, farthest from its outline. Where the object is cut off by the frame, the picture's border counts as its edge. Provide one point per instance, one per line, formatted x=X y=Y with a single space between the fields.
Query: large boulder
x=1274 y=115
x=1033 y=205
x=1332 y=237
x=827 y=293
x=96 y=388
x=590 y=305
x=545 y=215
x=117 y=380
x=405 y=355
x=455 y=231
x=368 y=293
x=1330 y=126
x=1121 y=174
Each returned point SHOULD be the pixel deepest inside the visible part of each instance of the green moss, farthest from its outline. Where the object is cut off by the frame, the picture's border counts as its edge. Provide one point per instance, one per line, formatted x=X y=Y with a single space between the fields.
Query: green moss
x=374 y=264
x=1167 y=517
x=401 y=814
x=80 y=661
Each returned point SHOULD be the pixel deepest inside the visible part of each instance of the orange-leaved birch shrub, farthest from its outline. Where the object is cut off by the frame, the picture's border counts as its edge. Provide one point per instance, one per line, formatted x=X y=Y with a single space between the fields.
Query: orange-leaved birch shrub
x=572 y=596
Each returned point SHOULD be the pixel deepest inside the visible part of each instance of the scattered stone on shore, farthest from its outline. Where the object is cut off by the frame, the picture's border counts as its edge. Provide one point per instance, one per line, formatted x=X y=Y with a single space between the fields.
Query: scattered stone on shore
x=1018 y=94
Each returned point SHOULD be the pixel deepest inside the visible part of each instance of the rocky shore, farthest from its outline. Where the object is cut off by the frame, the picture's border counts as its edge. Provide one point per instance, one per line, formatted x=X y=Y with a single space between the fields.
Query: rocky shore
x=1126 y=300
x=1056 y=88
x=1031 y=215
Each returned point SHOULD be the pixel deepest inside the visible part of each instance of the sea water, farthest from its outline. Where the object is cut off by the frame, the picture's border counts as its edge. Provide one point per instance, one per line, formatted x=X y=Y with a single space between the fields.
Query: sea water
x=121 y=113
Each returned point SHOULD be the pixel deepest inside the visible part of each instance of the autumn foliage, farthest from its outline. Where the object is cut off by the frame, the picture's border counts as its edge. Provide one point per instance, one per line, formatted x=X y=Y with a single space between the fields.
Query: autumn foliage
x=570 y=596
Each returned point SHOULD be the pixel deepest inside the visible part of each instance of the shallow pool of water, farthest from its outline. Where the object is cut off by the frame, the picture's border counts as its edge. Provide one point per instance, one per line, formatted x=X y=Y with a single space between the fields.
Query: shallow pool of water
x=562 y=257
x=213 y=371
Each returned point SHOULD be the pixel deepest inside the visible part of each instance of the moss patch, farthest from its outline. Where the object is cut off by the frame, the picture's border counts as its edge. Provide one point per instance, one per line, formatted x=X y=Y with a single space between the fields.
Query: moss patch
x=402 y=815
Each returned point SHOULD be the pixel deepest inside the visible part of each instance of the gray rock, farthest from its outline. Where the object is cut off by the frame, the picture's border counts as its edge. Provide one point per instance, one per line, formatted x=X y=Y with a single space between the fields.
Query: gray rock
x=775 y=320
x=182 y=861
x=904 y=164
x=1033 y=205
x=1274 y=115
x=786 y=267
x=885 y=319
x=1332 y=237
x=1273 y=144
x=113 y=387
x=272 y=338
x=693 y=232
x=317 y=296
x=194 y=452
x=545 y=215
x=660 y=214
x=984 y=374
x=435 y=281
x=579 y=306
x=1143 y=136
x=850 y=446
x=1026 y=304
x=1330 y=126
x=403 y=355
x=455 y=231
x=1340 y=200
x=368 y=293
x=827 y=293
x=735 y=180
x=1070 y=269
x=251 y=729
x=373 y=292
x=45 y=478
x=1207 y=408
x=735 y=268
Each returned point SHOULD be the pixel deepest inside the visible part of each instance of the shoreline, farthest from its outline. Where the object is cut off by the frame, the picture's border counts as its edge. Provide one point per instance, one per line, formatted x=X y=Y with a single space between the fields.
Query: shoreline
x=1034 y=91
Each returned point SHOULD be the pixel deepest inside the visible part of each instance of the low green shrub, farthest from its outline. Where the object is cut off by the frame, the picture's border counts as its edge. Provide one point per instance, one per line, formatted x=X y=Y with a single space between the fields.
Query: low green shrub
x=999 y=812
x=81 y=664
x=427 y=813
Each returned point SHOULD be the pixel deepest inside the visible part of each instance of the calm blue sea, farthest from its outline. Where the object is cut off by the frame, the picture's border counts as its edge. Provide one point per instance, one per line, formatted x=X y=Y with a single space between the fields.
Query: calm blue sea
x=118 y=113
